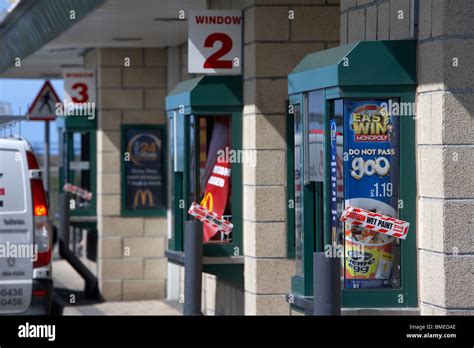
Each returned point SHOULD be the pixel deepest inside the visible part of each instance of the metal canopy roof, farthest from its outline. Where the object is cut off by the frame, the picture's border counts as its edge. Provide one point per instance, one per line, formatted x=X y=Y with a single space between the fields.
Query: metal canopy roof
x=206 y=91
x=42 y=34
x=364 y=63
x=34 y=23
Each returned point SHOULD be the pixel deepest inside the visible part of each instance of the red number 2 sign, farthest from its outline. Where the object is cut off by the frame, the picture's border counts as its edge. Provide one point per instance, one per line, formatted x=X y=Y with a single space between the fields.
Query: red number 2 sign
x=82 y=91
x=213 y=61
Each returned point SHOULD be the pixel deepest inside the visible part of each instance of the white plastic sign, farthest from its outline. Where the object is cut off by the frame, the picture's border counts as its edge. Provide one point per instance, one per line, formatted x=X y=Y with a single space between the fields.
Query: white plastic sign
x=79 y=86
x=215 y=42
x=43 y=107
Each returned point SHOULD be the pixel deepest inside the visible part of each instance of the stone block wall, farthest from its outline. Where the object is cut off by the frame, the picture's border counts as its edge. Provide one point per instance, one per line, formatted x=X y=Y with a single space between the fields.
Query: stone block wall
x=132 y=94
x=277 y=35
x=445 y=137
x=273 y=45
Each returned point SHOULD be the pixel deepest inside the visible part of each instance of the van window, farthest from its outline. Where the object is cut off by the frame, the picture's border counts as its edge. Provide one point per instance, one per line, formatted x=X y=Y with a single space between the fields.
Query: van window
x=12 y=182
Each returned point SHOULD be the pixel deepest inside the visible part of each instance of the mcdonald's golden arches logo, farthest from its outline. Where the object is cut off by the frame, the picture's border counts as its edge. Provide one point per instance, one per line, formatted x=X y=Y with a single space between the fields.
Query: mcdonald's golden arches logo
x=208 y=199
x=144 y=196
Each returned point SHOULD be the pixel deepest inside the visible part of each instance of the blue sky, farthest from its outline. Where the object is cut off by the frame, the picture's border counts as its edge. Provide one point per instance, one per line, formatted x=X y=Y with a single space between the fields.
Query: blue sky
x=20 y=93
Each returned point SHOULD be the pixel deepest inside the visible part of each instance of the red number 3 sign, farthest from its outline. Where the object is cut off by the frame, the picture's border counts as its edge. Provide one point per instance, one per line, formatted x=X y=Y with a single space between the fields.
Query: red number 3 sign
x=79 y=86
x=82 y=91
x=215 y=42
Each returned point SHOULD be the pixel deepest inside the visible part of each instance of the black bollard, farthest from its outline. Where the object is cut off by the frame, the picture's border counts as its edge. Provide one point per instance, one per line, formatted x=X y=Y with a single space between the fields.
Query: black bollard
x=193 y=241
x=64 y=218
x=326 y=284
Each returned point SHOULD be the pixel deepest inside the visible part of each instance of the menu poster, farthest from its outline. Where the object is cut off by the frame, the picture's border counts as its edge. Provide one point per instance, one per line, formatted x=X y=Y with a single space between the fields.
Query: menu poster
x=144 y=169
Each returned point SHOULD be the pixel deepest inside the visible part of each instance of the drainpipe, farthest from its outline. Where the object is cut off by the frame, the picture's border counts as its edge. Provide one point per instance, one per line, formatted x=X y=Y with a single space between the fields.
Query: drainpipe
x=414 y=15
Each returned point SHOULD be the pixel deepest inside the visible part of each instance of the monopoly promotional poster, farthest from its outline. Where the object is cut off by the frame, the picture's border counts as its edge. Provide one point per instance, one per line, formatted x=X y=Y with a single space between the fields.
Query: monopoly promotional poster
x=371 y=182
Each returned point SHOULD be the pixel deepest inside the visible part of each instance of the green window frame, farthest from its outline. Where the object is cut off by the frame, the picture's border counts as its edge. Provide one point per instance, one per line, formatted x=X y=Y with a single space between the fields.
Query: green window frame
x=67 y=127
x=181 y=189
x=200 y=97
x=124 y=212
x=375 y=298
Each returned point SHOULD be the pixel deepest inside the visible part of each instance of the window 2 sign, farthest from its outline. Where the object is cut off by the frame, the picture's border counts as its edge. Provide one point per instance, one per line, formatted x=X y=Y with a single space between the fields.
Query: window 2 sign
x=215 y=42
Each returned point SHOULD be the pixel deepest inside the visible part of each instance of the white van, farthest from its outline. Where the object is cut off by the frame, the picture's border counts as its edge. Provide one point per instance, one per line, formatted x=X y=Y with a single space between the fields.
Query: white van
x=25 y=236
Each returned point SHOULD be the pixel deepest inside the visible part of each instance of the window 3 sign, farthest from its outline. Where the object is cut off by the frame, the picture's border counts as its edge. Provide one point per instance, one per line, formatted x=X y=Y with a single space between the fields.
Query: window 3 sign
x=143 y=171
x=79 y=86
x=215 y=42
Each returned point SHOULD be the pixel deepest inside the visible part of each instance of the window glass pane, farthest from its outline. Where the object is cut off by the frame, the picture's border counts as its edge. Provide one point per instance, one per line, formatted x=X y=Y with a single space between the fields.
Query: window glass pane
x=371 y=182
x=315 y=138
x=298 y=126
x=192 y=161
x=80 y=166
x=211 y=171
x=171 y=196
x=337 y=163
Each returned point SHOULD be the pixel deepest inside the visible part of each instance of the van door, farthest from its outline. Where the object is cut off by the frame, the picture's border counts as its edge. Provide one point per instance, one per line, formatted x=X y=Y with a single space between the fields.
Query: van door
x=17 y=250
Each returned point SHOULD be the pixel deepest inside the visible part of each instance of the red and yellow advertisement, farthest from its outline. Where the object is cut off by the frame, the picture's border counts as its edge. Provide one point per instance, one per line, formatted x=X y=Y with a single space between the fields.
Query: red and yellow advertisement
x=216 y=194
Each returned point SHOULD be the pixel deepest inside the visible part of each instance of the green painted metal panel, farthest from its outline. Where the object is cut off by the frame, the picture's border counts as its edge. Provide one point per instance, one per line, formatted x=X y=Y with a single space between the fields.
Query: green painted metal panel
x=33 y=24
x=208 y=95
x=364 y=63
x=180 y=96
x=206 y=91
x=380 y=63
x=324 y=58
x=76 y=122
x=290 y=187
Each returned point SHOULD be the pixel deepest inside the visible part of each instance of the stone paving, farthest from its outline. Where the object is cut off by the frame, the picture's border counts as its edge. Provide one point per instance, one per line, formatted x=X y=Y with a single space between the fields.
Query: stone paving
x=65 y=277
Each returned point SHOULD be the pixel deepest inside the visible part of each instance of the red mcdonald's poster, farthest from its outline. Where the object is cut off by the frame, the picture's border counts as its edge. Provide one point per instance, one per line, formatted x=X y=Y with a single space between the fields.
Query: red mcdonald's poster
x=217 y=189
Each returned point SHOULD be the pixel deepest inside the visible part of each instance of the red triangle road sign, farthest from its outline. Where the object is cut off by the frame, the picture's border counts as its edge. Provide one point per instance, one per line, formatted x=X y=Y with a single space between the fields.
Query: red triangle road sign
x=44 y=105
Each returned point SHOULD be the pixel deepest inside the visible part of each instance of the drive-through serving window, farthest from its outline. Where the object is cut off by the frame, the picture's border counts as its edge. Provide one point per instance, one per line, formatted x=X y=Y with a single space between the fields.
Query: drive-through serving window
x=78 y=160
x=77 y=139
x=350 y=147
x=205 y=142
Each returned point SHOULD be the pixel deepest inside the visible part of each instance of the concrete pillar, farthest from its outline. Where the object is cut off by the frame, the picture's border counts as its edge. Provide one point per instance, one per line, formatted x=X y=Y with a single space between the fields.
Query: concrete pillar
x=445 y=138
x=273 y=44
x=127 y=95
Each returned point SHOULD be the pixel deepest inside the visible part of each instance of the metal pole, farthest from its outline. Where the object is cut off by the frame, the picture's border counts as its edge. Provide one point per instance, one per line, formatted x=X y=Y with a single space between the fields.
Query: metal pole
x=64 y=218
x=327 y=284
x=193 y=267
x=46 y=156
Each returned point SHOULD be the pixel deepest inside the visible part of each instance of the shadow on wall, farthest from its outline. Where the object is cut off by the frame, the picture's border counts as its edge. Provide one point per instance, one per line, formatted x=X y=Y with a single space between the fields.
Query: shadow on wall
x=445 y=49
x=229 y=299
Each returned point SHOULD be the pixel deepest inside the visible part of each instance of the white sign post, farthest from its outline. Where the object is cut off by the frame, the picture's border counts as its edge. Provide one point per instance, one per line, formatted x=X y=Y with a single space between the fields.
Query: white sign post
x=79 y=86
x=215 y=42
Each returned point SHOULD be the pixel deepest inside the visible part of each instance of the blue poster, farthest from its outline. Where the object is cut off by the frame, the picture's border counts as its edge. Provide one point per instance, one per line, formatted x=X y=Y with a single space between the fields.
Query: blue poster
x=144 y=172
x=371 y=182
x=371 y=176
x=333 y=155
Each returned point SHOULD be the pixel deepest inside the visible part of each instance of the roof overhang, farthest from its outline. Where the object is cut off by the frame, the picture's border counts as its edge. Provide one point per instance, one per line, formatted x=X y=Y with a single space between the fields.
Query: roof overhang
x=216 y=92
x=32 y=24
x=363 y=63
x=47 y=41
